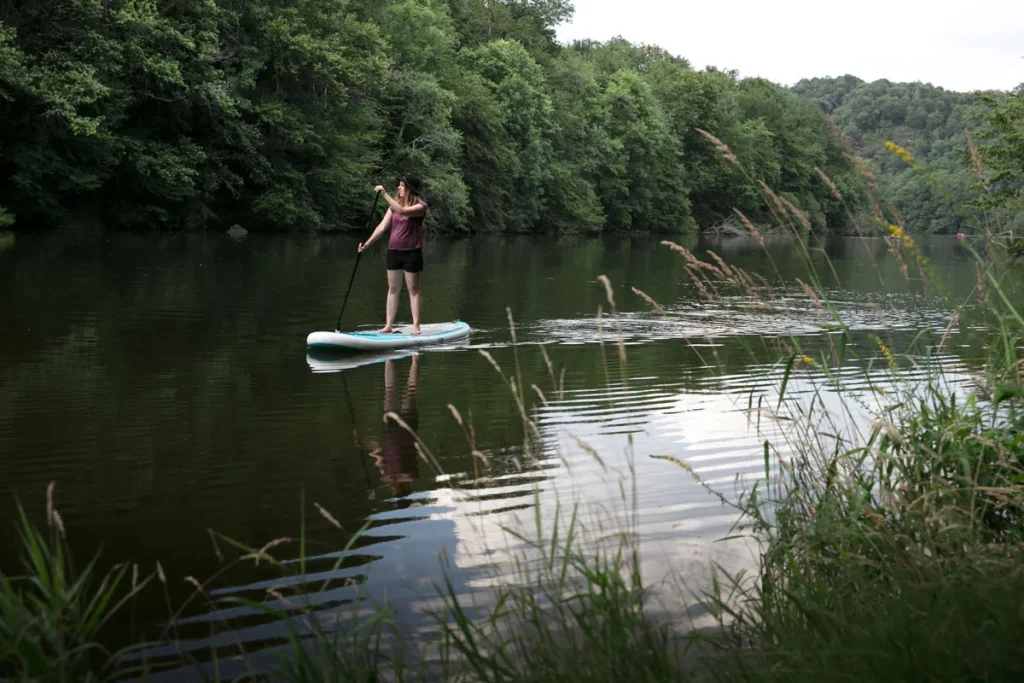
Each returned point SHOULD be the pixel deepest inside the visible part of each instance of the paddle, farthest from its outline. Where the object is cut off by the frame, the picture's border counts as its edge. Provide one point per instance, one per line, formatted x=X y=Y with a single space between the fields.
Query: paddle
x=366 y=235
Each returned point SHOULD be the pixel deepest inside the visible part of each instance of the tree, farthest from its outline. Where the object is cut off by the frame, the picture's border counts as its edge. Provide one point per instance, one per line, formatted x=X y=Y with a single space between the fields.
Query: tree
x=511 y=151
x=642 y=185
x=1005 y=152
x=528 y=22
x=420 y=104
x=581 y=143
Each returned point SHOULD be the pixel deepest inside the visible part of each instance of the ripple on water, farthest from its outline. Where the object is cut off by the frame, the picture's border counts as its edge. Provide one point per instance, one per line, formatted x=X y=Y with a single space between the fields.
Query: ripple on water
x=743 y=315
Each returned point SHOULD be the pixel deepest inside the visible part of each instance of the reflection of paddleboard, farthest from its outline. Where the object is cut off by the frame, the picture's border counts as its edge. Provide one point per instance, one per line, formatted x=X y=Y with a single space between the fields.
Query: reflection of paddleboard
x=402 y=338
x=334 y=362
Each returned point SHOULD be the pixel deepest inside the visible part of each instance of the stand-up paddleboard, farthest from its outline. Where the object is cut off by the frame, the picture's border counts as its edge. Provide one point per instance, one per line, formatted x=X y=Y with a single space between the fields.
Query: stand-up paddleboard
x=401 y=338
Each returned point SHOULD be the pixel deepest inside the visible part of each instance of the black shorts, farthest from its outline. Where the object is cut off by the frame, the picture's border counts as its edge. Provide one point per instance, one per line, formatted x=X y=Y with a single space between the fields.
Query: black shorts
x=410 y=261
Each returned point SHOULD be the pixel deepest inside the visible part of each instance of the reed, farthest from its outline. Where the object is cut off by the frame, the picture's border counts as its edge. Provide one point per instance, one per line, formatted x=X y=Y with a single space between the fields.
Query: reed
x=53 y=617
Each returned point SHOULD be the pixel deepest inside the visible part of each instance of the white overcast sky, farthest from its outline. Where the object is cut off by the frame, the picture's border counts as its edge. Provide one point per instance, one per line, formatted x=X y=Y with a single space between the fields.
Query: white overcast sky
x=957 y=45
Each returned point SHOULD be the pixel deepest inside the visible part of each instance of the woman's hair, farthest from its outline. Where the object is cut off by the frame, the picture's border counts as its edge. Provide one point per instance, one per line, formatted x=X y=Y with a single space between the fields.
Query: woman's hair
x=412 y=190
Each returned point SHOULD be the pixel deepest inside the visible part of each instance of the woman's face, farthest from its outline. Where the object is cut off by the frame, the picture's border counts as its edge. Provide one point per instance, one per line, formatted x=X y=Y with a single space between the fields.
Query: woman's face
x=402 y=190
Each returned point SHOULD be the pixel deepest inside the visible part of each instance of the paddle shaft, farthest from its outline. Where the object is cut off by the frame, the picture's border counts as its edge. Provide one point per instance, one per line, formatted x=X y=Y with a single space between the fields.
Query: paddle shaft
x=352 y=279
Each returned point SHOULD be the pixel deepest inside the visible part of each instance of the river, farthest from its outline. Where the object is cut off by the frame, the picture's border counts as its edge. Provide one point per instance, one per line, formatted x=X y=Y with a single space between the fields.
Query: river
x=163 y=383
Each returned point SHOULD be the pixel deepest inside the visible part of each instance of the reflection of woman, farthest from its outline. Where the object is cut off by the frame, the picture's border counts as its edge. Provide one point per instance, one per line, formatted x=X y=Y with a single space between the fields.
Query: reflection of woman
x=396 y=457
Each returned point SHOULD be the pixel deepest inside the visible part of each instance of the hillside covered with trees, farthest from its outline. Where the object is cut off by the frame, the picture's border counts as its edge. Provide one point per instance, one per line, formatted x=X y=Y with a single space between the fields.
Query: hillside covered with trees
x=942 y=194
x=282 y=114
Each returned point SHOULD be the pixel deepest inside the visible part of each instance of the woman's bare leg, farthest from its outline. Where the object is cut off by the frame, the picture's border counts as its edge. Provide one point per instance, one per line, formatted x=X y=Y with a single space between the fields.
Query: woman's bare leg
x=412 y=283
x=394 y=292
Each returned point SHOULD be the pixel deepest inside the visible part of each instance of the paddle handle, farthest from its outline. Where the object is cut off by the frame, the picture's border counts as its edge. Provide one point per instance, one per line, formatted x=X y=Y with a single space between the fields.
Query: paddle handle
x=366 y=236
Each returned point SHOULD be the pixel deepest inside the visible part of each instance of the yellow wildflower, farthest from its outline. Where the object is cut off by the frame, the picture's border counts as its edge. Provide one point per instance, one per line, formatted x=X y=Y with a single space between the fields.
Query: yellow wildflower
x=900 y=152
x=809 y=361
x=900 y=234
x=887 y=353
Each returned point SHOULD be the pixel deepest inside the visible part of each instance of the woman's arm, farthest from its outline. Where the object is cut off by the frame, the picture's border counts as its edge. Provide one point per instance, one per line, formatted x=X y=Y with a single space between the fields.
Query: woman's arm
x=417 y=209
x=385 y=223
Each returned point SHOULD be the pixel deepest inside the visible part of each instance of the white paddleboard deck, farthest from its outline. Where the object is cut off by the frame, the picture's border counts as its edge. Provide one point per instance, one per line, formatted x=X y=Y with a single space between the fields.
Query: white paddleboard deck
x=401 y=338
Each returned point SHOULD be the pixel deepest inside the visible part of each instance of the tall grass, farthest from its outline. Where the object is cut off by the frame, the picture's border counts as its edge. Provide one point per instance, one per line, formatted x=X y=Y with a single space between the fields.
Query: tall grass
x=52 y=617
x=890 y=555
x=897 y=557
x=900 y=560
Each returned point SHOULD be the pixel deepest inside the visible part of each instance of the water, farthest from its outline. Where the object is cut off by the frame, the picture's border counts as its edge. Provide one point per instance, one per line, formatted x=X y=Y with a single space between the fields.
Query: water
x=162 y=382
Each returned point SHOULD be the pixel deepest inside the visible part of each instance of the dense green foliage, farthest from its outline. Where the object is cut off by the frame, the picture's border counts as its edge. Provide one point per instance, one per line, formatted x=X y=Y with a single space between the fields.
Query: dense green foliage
x=1004 y=152
x=143 y=112
x=932 y=124
x=282 y=114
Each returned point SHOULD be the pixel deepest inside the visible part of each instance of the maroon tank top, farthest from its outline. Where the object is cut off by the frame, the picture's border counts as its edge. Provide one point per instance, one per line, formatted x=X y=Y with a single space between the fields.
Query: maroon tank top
x=407 y=231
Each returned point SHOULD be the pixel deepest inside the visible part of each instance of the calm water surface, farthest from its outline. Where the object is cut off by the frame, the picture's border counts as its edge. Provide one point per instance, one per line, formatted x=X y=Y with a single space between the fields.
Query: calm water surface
x=163 y=383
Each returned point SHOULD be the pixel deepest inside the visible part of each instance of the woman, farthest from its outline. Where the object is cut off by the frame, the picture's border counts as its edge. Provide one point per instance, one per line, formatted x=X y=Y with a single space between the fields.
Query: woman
x=404 y=249
x=404 y=218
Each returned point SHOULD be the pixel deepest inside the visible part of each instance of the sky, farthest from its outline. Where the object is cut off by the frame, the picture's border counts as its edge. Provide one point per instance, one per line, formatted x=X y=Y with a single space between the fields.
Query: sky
x=965 y=46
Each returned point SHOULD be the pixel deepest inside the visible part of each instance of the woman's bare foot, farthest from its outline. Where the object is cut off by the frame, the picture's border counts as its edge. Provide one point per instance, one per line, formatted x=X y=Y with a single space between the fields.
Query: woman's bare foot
x=415 y=329
x=387 y=329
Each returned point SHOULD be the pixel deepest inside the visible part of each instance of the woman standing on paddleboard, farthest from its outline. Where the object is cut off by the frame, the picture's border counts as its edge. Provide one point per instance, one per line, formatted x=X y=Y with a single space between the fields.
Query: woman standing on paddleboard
x=404 y=261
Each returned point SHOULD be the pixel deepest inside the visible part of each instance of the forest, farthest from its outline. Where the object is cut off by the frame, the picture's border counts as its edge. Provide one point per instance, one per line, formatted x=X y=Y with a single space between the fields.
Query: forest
x=282 y=114
x=938 y=191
